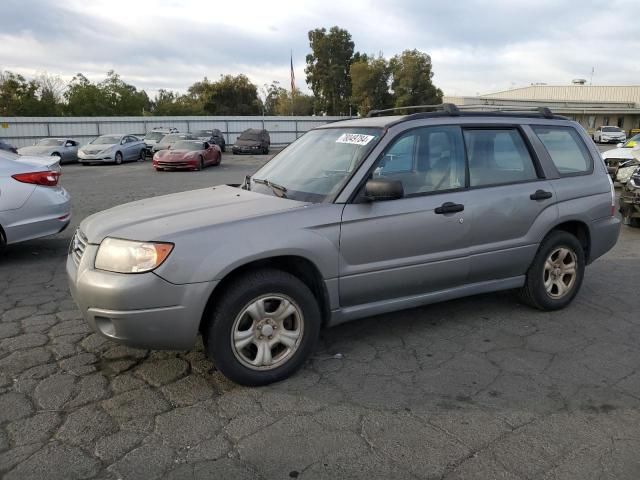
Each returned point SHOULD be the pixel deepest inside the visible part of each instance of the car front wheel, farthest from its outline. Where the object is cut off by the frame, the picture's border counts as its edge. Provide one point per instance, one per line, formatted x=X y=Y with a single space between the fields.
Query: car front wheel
x=263 y=328
x=556 y=274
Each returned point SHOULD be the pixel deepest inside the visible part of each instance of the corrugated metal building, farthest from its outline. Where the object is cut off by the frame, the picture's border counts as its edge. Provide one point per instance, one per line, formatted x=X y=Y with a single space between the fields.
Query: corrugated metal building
x=22 y=131
x=592 y=106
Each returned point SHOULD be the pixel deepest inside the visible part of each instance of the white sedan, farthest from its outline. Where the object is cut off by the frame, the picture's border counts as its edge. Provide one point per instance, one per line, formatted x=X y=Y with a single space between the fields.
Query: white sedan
x=32 y=204
x=609 y=134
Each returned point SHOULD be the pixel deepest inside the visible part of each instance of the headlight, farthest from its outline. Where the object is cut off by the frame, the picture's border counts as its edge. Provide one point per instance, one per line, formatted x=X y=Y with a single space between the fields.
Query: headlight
x=127 y=256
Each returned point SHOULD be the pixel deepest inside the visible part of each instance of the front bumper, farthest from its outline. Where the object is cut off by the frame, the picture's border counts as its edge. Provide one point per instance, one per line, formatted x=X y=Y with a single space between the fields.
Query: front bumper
x=612 y=140
x=247 y=150
x=95 y=158
x=139 y=310
x=183 y=165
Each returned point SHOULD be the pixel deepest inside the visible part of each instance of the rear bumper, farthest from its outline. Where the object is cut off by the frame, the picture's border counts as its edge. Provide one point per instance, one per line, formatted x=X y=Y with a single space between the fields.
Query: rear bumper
x=604 y=235
x=139 y=310
x=46 y=212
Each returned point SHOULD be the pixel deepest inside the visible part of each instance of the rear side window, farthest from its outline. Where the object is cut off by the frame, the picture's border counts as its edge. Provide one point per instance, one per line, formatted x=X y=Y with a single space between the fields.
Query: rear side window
x=567 y=150
x=498 y=156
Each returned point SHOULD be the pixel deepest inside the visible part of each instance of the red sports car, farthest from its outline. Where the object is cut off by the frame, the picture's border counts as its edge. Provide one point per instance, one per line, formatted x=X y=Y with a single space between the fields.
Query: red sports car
x=187 y=155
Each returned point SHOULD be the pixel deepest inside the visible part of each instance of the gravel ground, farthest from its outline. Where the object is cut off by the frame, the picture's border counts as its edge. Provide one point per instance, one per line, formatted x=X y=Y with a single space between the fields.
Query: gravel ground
x=475 y=388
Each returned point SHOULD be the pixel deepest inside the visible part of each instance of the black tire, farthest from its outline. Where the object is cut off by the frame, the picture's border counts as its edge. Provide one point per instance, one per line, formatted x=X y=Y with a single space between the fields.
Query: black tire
x=143 y=155
x=534 y=292
x=237 y=295
x=200 y=165
x=118 y=158
x=266 y=150
x=223 y=147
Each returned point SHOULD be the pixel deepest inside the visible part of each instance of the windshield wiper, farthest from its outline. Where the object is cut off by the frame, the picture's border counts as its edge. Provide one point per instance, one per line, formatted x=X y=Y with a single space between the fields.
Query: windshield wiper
x=274 y=186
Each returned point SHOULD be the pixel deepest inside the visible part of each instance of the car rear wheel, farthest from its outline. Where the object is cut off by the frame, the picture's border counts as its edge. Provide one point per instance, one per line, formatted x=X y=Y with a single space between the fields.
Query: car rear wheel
x=143 y=155
x=263 y=328
x=200 y=164
x=118 y=158
x=556 y=274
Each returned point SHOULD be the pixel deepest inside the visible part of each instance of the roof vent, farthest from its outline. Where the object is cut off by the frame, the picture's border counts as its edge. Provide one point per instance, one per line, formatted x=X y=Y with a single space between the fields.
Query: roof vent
x=579 y=81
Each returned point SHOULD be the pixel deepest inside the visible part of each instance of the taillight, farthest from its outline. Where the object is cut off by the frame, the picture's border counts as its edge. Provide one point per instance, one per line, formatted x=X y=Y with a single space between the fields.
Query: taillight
x=48 y=178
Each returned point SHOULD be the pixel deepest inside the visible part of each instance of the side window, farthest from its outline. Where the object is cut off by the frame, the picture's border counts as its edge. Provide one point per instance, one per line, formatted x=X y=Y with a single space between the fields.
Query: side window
x=566 y=149
x=425 y=160
x=498 y=156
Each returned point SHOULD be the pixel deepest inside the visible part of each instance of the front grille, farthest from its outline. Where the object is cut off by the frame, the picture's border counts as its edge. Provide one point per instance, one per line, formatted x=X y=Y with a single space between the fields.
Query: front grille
x=78 y=246
x=174 y=164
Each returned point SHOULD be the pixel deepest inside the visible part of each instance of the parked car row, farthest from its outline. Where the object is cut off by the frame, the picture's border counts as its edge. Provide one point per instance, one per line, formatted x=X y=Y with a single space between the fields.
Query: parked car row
x=120 y=148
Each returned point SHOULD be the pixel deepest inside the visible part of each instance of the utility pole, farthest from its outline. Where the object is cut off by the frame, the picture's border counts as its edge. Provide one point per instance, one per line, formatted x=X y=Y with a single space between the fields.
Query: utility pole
x=591 y=81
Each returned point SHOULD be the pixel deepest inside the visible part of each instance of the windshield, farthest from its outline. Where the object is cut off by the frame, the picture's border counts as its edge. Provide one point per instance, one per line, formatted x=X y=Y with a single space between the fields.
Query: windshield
x=154 y=136
x=106 y=140
x=186 y=145
x=316 y=166
x=250 y=136
x=611 y=129
x=50 y=142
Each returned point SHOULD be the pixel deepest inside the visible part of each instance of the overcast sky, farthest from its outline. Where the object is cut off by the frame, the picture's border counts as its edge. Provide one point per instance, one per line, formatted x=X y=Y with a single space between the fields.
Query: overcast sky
x=476 y=46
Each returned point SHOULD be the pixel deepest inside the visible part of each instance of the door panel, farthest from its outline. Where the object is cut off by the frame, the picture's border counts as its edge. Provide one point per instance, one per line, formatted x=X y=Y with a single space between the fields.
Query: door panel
x=504 y=176
x=410 y=246
x=402 y=247
x=506 y=224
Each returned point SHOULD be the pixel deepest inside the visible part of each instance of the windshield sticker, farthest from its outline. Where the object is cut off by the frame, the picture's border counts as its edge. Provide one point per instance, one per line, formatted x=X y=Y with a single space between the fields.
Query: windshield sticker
x=355 y=138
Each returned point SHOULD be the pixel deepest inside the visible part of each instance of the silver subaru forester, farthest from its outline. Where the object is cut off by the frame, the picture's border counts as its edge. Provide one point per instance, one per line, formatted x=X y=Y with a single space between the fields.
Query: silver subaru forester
x=354 y=219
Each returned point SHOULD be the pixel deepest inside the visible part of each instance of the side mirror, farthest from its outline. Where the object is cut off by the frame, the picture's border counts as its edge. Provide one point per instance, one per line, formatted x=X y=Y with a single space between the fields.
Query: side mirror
x=382 y=189
x=123 y=141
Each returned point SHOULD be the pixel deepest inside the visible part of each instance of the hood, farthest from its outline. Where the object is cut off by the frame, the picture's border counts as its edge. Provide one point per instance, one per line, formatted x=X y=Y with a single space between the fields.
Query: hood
x=162 y=218
x=614 y=134
x=247 y=143
x=623 y=153
x=38 y=150
x=90 y=148
x=176 y=155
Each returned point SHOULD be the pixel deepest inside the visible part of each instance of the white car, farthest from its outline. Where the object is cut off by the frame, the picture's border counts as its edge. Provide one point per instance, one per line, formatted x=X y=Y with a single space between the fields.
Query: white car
x=32 y=204
x=619 y=156
x=609 y=134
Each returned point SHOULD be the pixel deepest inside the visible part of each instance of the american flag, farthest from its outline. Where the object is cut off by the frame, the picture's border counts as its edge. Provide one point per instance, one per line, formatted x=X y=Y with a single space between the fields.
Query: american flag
x=293 y=77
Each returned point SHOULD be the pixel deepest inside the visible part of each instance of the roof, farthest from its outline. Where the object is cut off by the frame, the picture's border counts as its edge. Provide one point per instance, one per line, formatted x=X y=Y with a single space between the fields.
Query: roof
x=586 y=93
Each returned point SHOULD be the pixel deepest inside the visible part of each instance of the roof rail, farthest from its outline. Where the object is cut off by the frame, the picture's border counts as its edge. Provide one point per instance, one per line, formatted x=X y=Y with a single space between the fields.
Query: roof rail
x=449 y=108
x=542 y=111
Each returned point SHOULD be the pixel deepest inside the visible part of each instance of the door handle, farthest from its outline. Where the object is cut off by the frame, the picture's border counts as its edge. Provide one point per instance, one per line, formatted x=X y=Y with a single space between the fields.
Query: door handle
x=540 y=195
x=449 y=207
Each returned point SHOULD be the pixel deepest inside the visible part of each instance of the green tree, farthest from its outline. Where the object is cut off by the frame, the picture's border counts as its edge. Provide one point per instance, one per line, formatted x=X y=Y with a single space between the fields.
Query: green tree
x=229 y=96
x=123 y=98
x=300 y=104
x=170 y=103
x=85 y=99
x=272 y=95
x=370 y=84
x=328 y=69
x=412 y=85
x=18 y=96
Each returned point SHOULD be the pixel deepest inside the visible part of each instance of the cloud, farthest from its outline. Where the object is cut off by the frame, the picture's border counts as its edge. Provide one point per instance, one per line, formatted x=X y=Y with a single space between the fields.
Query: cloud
x=475 y=46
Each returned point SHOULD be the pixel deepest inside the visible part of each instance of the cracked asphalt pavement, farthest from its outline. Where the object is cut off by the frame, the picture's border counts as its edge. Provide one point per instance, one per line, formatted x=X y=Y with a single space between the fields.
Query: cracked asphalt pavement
x=482 y=387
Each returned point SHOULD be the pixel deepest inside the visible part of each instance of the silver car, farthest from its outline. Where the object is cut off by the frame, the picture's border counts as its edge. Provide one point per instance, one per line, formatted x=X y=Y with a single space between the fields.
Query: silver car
x=32 y=204
x=64 y=148
x=354 y=219
x=113 y=149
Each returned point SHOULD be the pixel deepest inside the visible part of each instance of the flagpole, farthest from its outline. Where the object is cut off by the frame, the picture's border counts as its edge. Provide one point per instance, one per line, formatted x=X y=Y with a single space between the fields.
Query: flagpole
x=293 y=81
